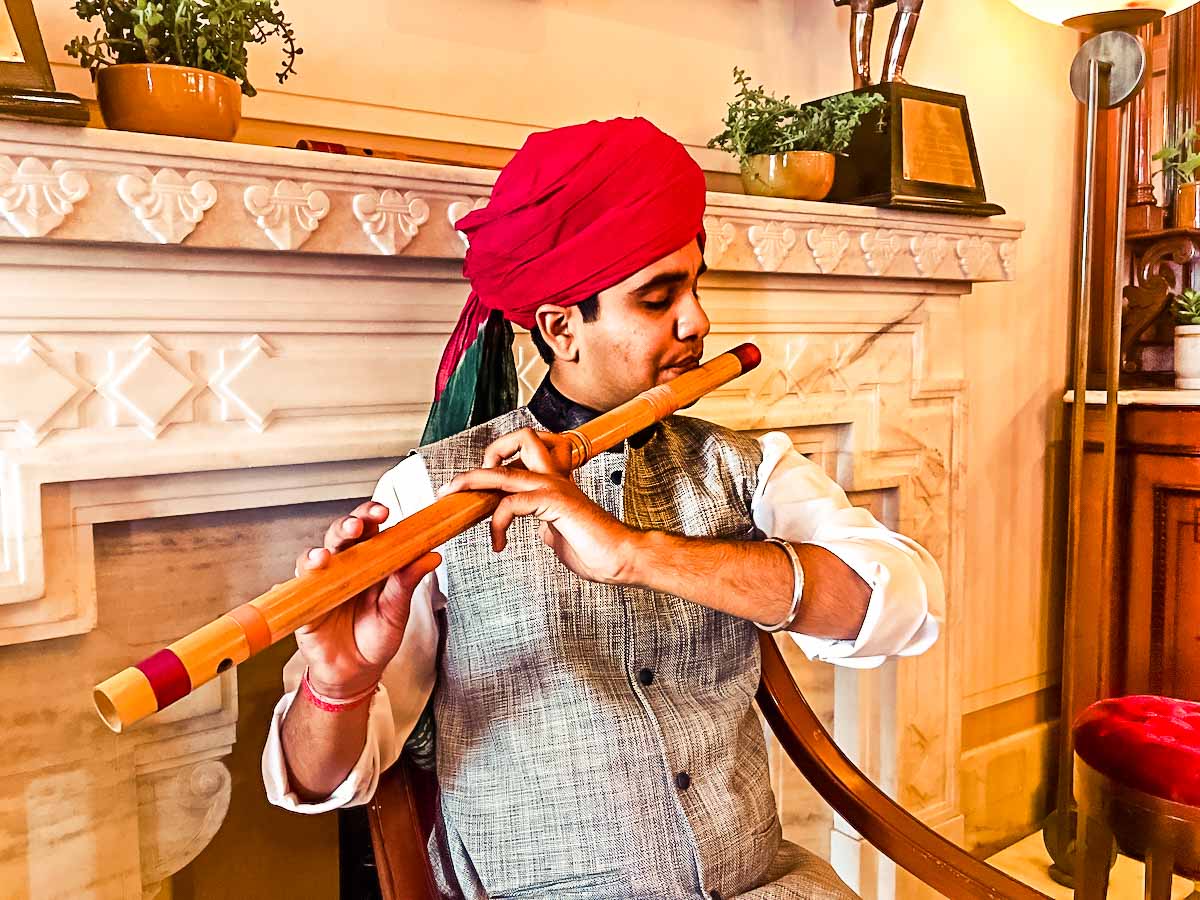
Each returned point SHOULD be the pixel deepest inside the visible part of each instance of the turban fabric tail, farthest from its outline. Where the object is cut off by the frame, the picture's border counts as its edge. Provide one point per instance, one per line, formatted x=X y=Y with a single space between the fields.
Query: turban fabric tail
x=577 y=210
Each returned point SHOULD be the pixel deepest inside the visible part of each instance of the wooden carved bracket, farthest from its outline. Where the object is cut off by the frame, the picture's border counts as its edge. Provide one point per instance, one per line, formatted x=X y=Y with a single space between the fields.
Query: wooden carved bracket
x=1156 y=274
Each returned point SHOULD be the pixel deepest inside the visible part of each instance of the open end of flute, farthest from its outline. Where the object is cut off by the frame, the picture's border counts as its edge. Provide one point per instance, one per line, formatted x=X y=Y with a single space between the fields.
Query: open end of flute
x=107 y=711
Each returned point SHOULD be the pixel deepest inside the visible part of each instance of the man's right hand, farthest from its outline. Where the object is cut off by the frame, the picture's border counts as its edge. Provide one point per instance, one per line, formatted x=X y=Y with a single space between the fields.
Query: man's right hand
x=349 y=647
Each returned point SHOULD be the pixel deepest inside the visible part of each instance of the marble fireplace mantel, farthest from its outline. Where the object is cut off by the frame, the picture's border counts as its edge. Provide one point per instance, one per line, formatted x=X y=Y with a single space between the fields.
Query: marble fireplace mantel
x=189 y=327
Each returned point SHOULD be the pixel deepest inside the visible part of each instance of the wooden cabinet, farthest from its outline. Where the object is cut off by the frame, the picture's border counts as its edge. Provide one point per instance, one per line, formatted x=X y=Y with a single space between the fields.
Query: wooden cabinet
x=1141 y=632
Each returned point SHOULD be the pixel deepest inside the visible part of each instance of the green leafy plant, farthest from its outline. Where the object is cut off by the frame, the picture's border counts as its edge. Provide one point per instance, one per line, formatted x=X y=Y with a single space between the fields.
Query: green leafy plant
x=757 y=122
x=1181 y=157
x=204 y=34
x=1187 y=307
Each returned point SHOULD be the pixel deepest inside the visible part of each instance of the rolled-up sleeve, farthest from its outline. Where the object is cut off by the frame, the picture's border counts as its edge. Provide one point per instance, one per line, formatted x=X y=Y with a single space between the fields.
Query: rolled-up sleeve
x=407 y=681
x=795 y=500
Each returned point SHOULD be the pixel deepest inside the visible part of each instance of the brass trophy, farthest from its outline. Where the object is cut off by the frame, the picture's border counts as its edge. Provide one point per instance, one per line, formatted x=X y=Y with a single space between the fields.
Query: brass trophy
x=26 y=82
x=917 y=150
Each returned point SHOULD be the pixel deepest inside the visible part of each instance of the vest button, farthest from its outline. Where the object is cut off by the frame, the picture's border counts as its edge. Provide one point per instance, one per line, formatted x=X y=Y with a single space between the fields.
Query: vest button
x=715 y=895
x=683 y=781
x=615 y=476
x=646 y=676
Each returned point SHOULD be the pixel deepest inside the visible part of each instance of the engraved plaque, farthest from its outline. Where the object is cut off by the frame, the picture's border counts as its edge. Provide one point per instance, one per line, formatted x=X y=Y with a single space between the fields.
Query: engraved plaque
x=935 y=144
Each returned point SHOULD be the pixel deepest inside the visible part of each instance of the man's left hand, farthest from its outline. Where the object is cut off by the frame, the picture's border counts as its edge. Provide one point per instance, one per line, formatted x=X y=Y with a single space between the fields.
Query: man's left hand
x=590 y=542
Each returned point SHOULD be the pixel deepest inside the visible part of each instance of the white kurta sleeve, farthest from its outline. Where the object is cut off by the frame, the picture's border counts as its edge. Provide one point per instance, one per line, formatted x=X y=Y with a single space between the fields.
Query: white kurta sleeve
x=407 y=681
x=795 y=500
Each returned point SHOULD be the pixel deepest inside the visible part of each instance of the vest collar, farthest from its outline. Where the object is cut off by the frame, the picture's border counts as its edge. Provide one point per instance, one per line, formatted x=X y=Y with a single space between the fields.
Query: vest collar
x=557 y=412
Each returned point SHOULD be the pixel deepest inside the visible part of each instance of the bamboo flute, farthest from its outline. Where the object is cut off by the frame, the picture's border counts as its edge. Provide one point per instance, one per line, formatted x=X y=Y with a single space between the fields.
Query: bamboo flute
x=196 y=658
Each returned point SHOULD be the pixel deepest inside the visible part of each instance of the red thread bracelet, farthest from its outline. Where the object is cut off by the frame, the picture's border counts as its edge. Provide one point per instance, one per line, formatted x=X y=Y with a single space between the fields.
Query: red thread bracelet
x=332 y=704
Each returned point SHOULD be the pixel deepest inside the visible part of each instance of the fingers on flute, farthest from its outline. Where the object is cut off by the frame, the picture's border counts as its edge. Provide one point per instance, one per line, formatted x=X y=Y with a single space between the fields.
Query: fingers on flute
x=312 y=560
x=363 y=523
x=525 y=443
x=524 y=504
x=502 y=479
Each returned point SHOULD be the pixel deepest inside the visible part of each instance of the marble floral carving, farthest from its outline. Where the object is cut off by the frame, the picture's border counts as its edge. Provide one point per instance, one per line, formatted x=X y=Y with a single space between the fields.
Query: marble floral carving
x=289 y=213
x=828 y=245
x=34 y=199
x=879 y=249
x=772 y=243
x=719 y=236
x=390 y=219
x=169 y=206
x=459 y=208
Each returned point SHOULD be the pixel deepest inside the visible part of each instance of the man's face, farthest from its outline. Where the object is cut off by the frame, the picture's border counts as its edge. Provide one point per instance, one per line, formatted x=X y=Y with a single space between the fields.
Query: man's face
x=650 y=329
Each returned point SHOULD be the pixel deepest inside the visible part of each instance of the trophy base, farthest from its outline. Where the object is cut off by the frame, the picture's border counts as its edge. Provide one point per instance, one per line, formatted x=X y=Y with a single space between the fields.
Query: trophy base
x=931 y=204
x=916 y=152
x=53 y=107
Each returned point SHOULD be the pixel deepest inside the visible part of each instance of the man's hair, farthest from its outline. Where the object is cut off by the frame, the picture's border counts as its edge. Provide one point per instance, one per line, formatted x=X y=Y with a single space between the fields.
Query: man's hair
x=589 y=309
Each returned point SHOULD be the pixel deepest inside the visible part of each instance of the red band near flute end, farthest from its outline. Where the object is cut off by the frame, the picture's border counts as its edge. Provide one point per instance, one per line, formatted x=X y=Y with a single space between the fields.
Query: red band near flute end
x=167 y=676
x=748 y=355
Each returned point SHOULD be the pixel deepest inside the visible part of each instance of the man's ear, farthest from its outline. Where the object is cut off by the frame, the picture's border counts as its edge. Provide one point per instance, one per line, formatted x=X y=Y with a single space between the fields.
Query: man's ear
x=558 y=327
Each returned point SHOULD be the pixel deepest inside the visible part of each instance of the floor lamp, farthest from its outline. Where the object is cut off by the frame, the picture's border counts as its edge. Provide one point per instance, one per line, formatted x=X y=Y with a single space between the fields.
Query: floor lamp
x=1107 y=73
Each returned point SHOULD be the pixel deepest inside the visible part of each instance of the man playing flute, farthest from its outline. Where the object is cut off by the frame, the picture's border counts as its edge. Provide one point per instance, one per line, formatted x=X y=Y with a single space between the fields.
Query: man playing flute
x=590 y=659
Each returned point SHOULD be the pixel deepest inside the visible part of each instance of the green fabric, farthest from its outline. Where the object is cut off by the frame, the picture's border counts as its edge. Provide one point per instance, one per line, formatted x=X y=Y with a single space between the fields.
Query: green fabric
x=482 y=387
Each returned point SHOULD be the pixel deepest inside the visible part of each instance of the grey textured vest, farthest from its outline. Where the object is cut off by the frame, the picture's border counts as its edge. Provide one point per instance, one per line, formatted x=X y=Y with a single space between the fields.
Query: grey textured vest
x=597 y=741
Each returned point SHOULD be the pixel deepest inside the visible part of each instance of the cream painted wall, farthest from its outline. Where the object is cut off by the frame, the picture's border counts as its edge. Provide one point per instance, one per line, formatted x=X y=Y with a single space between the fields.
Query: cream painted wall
x=489 y=71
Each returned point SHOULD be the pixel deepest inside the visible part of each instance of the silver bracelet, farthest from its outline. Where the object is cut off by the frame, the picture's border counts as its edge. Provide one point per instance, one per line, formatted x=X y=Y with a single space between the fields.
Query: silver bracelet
x=797 y=589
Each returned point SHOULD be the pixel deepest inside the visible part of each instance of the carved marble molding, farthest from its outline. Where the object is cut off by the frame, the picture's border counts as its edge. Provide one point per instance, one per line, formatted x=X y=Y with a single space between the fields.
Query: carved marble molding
x=240 y=197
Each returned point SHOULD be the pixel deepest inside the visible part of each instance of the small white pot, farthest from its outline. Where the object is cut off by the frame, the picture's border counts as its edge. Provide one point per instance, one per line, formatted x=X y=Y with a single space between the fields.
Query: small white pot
x=1187 y=357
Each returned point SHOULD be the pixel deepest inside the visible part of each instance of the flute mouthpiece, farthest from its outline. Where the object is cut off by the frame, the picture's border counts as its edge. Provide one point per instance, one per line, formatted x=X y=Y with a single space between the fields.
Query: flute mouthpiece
x=748 y=355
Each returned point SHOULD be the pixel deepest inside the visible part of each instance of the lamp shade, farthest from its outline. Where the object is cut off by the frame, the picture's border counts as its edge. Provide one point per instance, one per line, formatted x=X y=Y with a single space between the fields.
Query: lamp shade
x=1059 y=11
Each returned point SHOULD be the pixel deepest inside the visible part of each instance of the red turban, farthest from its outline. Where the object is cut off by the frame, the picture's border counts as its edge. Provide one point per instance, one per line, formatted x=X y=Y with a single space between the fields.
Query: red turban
x=576 y=210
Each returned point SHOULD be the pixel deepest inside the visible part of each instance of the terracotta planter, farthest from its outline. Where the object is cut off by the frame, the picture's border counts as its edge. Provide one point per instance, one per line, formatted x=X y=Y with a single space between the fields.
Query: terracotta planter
x=1187 y=211
x=803 y=175
x=174 y=100
x=1187 y=357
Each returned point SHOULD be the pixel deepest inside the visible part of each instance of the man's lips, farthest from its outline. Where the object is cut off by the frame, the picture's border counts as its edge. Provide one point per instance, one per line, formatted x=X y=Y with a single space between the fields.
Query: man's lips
x=684 y=365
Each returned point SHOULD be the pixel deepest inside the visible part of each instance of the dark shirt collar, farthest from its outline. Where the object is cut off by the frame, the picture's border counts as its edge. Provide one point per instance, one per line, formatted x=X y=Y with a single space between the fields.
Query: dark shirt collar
x=556 y=412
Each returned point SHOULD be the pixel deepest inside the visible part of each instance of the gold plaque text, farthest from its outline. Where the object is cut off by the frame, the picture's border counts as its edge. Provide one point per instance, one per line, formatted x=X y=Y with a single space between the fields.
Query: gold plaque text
x=935 y=144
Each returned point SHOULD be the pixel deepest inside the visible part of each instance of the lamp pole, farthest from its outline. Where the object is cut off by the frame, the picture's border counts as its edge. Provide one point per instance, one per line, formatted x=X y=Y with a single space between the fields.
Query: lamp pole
x=1107 y=73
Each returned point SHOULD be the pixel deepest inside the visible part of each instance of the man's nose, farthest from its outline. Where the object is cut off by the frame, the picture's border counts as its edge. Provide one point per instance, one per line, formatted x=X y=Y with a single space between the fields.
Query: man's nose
x=692 y=324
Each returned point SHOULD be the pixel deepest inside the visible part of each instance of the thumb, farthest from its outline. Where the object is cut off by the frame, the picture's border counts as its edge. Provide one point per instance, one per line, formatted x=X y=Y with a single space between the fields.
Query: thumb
x=410 y=576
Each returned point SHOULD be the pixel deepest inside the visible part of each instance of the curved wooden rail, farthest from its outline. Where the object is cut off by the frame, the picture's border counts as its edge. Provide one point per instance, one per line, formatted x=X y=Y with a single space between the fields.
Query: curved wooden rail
x=885 y=824
x=400 y=813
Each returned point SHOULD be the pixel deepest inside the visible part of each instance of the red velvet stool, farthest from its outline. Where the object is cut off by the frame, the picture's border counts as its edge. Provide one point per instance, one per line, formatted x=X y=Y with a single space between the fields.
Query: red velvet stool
x=1137 y=779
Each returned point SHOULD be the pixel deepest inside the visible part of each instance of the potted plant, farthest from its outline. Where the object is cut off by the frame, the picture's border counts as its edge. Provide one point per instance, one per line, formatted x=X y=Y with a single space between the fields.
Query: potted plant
x=785 y=150
x=1187 y=339
x=177 y=66
x=1182 y=160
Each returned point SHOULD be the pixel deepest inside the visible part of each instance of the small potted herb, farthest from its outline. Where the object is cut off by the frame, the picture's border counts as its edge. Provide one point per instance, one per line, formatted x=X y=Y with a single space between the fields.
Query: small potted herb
x=1187 y=339
x=1182 y=160
x=785 y=150
x=178 y=66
